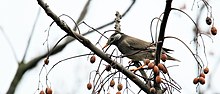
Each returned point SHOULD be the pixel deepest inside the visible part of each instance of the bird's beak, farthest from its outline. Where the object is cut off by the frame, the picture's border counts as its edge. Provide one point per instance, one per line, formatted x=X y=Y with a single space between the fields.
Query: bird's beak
x=106 y=45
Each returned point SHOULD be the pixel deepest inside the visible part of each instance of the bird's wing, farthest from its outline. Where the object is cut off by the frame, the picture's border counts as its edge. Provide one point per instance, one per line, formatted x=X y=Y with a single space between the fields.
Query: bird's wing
x=137 y=44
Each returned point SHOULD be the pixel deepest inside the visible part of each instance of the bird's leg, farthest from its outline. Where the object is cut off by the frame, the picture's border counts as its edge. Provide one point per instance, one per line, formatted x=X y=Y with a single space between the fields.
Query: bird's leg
x=138 y=66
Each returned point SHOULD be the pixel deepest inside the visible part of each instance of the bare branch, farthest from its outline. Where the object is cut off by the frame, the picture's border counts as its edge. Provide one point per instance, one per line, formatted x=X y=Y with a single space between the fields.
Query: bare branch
x=83 y=13
x=9 y=42
x=33 y=62
x=30 y=37
x=162 y=33
x=93 y=48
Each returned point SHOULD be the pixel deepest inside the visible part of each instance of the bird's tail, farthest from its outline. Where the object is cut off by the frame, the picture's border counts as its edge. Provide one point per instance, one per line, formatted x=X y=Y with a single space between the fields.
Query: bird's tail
x=172 y=58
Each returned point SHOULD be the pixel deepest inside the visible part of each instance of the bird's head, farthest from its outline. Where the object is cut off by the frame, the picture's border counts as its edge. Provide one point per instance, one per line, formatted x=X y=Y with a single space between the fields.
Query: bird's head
x=113 y=39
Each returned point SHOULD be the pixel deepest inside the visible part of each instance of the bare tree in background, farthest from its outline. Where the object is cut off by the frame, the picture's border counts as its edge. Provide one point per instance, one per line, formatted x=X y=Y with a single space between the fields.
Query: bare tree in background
x=153 y=83
x=25 y=66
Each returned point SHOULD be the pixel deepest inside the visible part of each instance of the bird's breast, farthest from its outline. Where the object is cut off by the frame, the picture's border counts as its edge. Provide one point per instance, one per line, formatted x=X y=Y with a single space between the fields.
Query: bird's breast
x=135 y=55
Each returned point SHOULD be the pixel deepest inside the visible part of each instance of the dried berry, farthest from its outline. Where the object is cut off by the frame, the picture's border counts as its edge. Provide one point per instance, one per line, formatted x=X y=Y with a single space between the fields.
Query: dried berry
x=202 y=75
x=153 y=90
x=206 y=70
x=162 y=68
x=163 y=57
x=146 y=61
x=48 y=90
x=156 y=70
x=208 y=21
x=195 y=80
x=158 y=79
x=150 y=65
x=213 y=30
x=112 y=83
x=92 y=59
x=41 y=92
x=118 y=92
x=46 y=61
x=120 y=86
x=202 y=80
x=89 y=86
x=108 y=67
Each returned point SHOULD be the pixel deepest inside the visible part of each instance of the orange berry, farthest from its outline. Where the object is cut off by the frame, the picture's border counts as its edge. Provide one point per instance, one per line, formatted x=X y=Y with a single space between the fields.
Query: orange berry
x=112 y=83
x=89 y=86
x=208 y=21
x=118 y=92
x=41 y=92
x=150 y=65
x=195 y=80
x=202 y=80
x=146 y=61
x=202 y=75
x=92 y=59
x=158 y=79
x=206 y=70
x=163 y=57
x=213 y=30
x=162 y=67
x=46 y=61
x=156 y=70
x=48 y=90
x=120 y=86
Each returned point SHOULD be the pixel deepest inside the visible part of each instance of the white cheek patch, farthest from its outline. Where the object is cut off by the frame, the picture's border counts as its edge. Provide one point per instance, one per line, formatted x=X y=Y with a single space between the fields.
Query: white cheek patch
x=117 y=36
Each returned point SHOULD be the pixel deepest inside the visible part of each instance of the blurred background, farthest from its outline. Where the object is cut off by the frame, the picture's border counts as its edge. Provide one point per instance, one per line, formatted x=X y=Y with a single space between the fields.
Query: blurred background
x=18 y=22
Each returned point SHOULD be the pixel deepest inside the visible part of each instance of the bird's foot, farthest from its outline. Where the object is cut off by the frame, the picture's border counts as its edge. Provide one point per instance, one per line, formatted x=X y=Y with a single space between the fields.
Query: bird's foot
x=135 y=69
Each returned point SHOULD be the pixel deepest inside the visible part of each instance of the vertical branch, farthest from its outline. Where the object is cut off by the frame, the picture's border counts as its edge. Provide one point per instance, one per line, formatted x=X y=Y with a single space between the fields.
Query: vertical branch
x=162 y=33
x=162 y=30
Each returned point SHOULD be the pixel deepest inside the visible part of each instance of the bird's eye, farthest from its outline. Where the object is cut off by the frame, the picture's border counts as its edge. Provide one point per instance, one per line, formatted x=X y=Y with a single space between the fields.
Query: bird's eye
x=111 y=39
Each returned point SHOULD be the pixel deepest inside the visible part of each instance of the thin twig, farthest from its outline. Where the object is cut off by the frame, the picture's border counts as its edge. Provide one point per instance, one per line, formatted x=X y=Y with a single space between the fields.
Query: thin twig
x=32 y=32
x=10 y=44
x=93 y=48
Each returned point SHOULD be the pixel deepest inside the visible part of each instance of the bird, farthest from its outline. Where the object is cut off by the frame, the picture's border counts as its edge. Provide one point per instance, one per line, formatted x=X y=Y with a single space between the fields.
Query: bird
x=135 y=48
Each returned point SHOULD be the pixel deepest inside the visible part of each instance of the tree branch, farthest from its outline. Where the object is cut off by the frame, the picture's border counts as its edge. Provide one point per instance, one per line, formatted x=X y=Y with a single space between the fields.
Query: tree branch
x=161 y=35
x=30 y=37
x=93 y=48
x=22 y=68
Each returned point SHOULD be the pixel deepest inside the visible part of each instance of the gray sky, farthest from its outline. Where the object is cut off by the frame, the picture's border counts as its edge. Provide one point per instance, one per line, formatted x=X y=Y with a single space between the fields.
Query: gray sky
x=17 y=18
